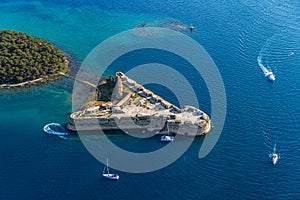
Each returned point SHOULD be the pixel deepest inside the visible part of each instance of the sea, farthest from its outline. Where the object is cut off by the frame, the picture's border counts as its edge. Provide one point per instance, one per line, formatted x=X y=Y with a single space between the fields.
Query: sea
x=242 y=37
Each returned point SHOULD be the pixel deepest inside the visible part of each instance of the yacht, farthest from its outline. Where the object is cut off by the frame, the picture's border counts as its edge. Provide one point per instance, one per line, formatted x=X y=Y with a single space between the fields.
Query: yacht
x=167 y=138
x=270 y=76
x=108 y=175
x=191 y=28
x=274 y=158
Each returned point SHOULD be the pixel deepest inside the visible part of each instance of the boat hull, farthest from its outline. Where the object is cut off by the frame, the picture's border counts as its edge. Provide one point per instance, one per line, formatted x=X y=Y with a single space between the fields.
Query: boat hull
x=274 y=158
x=270 y=76
x=167 y=138
x=111 y=176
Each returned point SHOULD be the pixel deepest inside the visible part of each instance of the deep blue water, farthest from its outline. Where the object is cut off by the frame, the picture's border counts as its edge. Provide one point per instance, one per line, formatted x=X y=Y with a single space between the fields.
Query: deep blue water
x=37 y=166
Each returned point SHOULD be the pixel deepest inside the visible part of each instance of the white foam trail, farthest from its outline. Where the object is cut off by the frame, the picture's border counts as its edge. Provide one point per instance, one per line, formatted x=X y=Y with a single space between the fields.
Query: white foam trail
x=263 y=50
x=263 y=68
x=274 y=150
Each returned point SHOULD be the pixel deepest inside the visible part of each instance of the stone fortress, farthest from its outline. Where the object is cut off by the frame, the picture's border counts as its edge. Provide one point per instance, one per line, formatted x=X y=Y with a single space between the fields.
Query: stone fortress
x=129 y=106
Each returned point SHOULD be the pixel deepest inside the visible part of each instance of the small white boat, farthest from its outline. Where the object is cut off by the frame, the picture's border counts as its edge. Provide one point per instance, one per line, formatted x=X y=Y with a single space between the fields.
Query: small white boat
x=192 y=28
x=55 y=129
x=292 y=53
x=274 y=155
x=270 y=76
x=108 y=175
x=274 y=158
x=167 y=138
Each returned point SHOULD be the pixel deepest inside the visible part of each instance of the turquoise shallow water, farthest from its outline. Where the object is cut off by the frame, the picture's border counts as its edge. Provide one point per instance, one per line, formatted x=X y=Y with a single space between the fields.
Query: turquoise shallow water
x=37 y=166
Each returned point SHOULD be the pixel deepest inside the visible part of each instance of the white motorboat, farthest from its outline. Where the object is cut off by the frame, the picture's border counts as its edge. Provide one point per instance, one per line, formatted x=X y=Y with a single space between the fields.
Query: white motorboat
x=270 y=76
x=192 y=28
x=108 y=175
x=274 y=158
x=167 y=138
x=55 y=129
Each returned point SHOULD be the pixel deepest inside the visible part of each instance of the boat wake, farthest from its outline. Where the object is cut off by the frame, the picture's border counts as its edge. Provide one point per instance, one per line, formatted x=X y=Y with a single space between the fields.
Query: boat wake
x=260 y=64
x=267 y=72
x=55 y=129
x=273 y=151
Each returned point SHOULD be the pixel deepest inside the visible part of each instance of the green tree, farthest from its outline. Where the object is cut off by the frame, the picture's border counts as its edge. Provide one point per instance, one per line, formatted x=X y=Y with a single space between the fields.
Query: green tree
x=23 y=57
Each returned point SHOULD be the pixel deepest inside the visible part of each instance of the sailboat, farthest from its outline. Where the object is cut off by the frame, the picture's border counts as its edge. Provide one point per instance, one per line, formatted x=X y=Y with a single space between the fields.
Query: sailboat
x=274 y=156
x=168 y=137
x=108 y=175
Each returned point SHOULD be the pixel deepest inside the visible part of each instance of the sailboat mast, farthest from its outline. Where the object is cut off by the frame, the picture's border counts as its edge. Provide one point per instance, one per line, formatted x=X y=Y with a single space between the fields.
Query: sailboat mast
x=107 y=166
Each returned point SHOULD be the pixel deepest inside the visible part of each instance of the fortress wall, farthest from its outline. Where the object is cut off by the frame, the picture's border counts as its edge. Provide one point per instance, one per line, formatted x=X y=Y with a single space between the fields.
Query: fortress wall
x=124 y=123
x=127 y=123
x=117 y=121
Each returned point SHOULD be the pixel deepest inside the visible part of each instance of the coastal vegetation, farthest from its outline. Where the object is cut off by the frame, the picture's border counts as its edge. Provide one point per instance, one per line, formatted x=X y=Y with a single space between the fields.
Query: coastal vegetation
x=24 y=58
